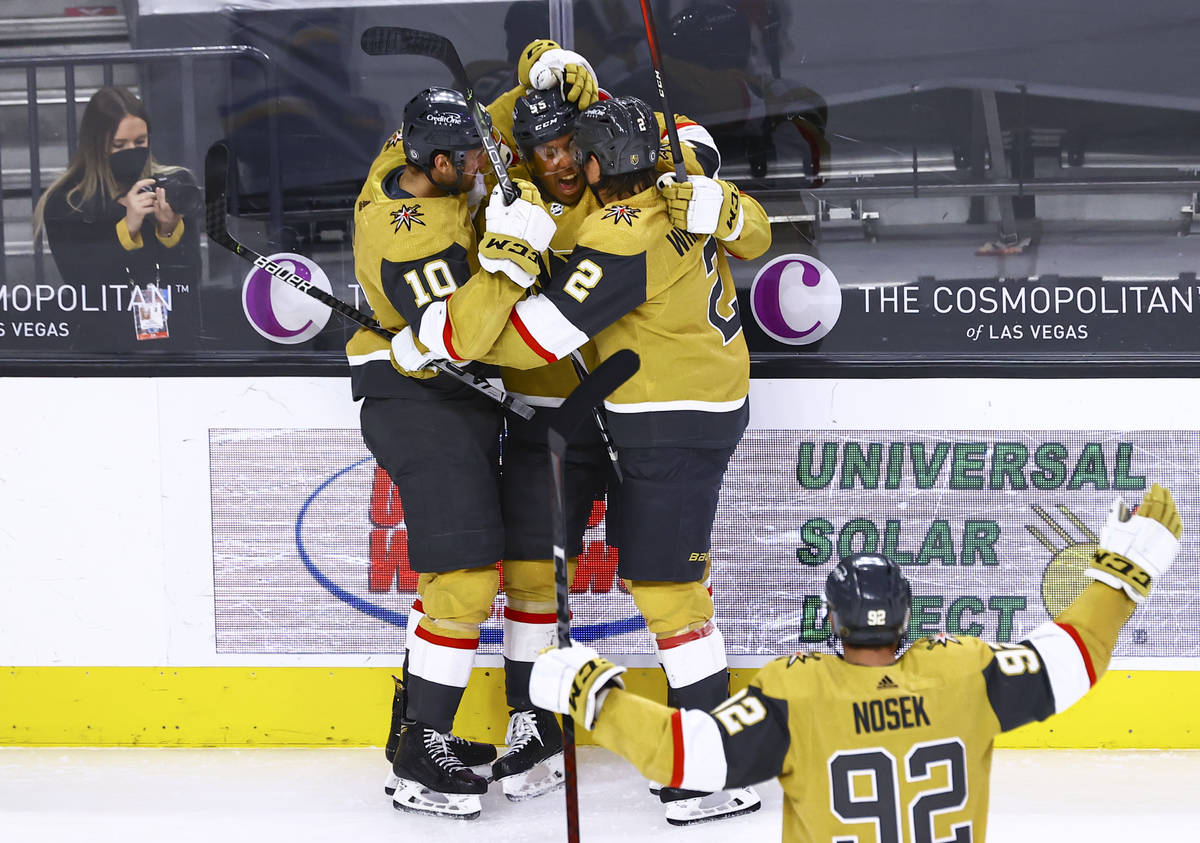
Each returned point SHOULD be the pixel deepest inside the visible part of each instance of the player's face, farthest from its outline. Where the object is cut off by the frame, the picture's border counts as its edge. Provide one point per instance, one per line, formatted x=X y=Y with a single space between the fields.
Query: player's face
x=554 y=167
x=475 y=162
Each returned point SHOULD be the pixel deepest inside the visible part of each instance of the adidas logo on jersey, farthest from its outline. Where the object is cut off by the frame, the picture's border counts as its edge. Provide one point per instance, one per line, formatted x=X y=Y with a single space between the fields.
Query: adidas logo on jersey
x=886 y=683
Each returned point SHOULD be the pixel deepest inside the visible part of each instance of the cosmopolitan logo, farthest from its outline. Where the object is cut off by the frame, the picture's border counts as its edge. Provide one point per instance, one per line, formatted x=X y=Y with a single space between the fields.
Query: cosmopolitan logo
x=385 y=588
x=279 y=310
x=796 y=299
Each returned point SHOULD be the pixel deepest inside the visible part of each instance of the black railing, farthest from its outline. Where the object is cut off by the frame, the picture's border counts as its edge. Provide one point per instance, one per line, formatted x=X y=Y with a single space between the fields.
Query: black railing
x=186 y=60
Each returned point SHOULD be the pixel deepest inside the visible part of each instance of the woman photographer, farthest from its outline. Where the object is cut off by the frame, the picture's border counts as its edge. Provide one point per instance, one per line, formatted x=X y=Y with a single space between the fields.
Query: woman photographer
x=116 y=215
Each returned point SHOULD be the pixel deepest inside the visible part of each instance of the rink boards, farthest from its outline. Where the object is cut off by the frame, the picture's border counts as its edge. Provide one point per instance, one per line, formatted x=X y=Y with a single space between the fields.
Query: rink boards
x=224 y=565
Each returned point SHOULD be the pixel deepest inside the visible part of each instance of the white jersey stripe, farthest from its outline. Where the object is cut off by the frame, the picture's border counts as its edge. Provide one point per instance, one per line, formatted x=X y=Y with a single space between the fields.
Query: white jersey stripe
x=704 y=764
x=1063 y=663
x=548 y=327
x=363 y=359
x=665 y=406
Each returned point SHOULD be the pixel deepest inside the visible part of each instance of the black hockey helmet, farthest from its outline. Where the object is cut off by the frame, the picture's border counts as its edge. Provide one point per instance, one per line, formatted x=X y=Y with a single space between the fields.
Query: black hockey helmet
x=869 y=600
x=621 y=132
x=439 y=120
x=542 y=116
x=715 y=35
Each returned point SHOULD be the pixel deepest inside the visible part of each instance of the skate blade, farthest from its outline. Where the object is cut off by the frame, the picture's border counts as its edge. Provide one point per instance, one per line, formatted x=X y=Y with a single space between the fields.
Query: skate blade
x=540 y=779
x=715 y=806
x=415 y=798
x=389 y=786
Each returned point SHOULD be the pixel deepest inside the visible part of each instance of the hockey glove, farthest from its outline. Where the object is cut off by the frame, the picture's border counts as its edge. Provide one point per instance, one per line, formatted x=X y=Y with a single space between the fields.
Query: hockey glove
x=703 y=206
x=408 y=355
x=573 y=681
x=514 y=235
x=1137 y=549
x=545 y=64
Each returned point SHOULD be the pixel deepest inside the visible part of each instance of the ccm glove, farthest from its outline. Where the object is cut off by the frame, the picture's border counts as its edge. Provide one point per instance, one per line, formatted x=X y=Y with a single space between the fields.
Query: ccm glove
x=514 y=235
x=1136 y=548
x=545 y=64
x=703 y=206
x=408 y=354
x=574 y=680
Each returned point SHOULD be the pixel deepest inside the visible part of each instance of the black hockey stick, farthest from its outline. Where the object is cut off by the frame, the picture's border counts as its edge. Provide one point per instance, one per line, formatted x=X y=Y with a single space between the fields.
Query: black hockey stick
x=402 y=41
x=216 y=188
x=668 y=114
x=598 y=416
x=579 y=404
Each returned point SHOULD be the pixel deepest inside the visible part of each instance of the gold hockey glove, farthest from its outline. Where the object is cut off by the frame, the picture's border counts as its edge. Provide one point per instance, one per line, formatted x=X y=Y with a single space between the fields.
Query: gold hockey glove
x=1136 y=548
x=703 y=206
x=516 y=234
x=573 y=680
x=544 y=64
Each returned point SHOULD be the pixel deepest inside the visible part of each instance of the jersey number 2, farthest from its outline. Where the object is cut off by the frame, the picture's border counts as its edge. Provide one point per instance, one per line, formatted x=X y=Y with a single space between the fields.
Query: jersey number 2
x=881 y=803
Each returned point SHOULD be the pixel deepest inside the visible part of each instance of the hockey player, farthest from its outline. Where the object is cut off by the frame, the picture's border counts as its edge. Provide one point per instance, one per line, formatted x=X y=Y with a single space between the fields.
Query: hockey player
x=438 y=440
x=870 y=746
x=635 y=280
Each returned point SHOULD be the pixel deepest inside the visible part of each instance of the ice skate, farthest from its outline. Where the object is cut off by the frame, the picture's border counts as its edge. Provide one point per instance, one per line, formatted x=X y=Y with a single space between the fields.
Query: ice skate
x=470 y=753
x=431 y=780
x=533 y=763
x=688 y=807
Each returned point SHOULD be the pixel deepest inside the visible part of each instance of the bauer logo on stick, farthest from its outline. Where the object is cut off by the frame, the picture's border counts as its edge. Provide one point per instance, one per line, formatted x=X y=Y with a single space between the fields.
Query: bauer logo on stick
x=282 y=313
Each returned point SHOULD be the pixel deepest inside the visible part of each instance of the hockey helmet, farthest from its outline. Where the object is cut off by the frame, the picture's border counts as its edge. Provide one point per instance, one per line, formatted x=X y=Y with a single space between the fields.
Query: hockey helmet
x=869 y=600
x=621 y=132
x=439 y=120
x=542 y=116
x=715 y=35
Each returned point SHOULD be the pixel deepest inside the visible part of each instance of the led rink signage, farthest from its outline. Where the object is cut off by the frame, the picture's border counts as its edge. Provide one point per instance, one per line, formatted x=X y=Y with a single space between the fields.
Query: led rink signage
x=993 y=528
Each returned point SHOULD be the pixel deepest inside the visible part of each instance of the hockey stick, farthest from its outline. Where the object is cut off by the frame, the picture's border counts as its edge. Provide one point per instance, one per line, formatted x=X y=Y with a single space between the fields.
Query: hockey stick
x=216 y=187
x=597 y=416
x=399 y=40
x=668 y=114
x=583 y=399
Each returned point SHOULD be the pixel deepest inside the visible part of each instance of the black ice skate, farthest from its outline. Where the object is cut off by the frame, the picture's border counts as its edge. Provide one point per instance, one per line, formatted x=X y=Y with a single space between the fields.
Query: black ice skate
x=533 y=763
x=470 y=753
x=688 y=807
x=430 y=779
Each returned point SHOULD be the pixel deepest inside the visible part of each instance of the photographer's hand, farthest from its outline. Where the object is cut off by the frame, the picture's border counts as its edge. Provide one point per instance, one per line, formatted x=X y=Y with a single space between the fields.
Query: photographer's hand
x=138 y=204
x=164 y=214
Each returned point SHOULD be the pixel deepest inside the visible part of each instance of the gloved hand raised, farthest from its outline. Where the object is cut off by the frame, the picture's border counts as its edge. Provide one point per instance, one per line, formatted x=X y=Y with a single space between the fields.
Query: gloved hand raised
x=1136 y=548
x=544 y=64
x=573 y=680
x=516 y=234
x=702 y=205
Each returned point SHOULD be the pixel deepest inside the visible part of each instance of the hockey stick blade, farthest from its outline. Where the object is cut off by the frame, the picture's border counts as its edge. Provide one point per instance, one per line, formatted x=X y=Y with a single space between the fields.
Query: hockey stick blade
x=216 y=188
x=402 y=41
x=590 y=393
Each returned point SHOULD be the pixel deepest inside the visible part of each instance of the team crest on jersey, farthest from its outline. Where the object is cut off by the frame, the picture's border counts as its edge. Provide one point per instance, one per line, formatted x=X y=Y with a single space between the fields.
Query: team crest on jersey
x=617 y=213
x=556 y=209
x=801 y=658
x=941 y=639
x=406 y=216
x=394 y=140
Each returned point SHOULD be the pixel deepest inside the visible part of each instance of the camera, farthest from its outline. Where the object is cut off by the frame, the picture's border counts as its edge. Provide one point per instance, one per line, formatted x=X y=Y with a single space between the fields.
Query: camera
x=183 y=194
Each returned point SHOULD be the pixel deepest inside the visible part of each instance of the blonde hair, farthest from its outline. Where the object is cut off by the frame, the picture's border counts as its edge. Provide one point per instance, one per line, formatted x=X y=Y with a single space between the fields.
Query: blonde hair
x=89 y=167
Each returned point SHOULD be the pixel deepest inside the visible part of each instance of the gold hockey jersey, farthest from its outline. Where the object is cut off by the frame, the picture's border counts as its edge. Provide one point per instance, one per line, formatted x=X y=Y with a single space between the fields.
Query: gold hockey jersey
x=895 y=754
x=408 y=253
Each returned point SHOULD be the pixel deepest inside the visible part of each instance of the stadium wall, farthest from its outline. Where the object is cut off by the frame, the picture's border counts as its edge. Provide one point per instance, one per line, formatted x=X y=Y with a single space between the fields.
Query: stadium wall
x=200 y=562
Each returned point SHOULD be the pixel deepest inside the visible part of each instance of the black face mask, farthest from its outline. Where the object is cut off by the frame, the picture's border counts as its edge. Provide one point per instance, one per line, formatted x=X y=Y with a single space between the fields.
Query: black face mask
x=127 y=165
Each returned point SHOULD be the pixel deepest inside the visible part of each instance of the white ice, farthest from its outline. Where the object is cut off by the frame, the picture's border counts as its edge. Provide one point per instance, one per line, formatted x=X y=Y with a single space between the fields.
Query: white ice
x=320 y=795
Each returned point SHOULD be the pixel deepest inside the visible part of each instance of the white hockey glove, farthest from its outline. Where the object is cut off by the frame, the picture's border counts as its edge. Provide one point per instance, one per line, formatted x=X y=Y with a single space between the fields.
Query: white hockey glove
x=1137 y=549
x=703 y=206
x=573 y=681
x=545 y=64
x=408 y=355
x=514 y=235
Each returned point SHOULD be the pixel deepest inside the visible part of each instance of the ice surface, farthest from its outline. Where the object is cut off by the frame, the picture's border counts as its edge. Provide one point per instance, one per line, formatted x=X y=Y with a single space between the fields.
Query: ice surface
x=328 y=795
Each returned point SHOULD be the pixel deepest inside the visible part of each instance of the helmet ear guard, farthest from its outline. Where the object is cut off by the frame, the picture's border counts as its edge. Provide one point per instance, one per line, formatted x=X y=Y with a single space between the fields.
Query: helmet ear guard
x=869 y=601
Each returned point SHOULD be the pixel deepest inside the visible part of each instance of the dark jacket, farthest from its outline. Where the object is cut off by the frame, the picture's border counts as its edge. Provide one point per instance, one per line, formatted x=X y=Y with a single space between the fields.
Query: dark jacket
x=88 y=248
